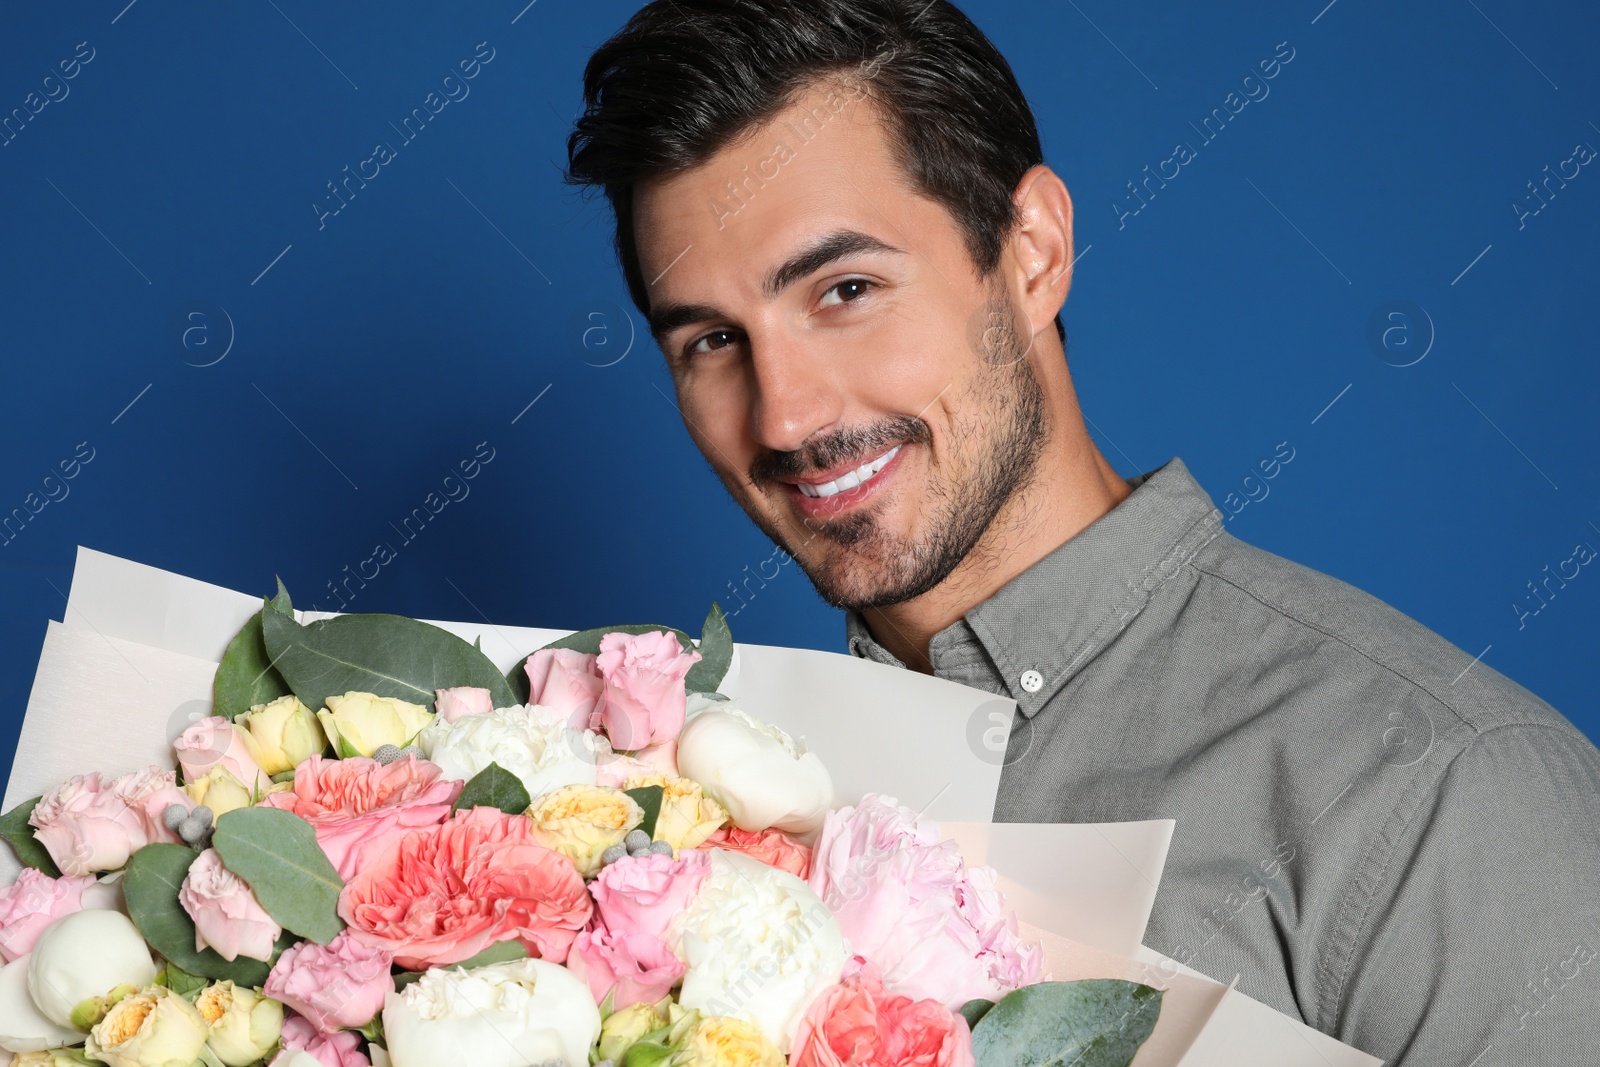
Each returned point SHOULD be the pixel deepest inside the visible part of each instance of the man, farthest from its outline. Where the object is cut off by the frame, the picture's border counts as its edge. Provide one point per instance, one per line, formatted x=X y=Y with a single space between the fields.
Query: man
x=835 y=215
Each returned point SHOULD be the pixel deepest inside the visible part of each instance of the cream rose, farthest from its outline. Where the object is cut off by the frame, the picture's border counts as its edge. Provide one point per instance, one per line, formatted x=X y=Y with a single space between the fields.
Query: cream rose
x=367 y=722
x=582 y=821
x=281 y=733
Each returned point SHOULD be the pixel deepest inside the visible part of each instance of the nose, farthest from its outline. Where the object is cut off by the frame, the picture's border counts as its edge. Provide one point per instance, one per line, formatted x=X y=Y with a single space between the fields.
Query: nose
x=794 y=393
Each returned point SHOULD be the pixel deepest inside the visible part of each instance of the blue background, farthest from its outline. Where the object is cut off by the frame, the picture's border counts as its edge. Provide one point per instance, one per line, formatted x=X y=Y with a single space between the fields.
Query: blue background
x=374 y=349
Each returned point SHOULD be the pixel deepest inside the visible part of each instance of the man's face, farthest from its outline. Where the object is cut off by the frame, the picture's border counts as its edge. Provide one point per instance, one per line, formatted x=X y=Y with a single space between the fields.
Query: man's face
x=862 y=394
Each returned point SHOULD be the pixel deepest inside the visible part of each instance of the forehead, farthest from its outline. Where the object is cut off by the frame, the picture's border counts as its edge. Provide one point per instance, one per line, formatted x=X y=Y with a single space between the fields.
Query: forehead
x=823 y=163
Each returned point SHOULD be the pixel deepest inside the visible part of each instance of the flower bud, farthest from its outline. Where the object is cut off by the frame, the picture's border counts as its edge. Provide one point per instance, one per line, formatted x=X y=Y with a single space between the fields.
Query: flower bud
x=281 y=733
x=22 y=1027
x=83 y=955
x=242 y=1026
x=367 y=722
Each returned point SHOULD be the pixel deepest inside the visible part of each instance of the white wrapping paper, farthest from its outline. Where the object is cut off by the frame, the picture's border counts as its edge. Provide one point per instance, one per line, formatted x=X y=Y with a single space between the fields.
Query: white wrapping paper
x=132 y=665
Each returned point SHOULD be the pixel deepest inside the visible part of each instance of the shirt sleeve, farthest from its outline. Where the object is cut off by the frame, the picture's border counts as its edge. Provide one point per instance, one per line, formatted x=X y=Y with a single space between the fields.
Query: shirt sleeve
x=1480 y=942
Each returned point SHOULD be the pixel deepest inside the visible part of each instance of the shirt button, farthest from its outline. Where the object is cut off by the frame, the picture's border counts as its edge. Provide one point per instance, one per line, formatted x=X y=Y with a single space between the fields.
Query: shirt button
x=1032 y=681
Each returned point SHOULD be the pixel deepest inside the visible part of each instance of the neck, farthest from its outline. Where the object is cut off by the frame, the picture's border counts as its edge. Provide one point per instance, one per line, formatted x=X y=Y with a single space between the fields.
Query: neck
x=1072 y=486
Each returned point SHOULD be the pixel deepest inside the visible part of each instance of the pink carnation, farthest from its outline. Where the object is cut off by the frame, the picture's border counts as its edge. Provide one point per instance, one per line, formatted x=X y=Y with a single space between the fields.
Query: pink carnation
x=337 y=986
x=936 y=928
x=632 y=967
x=227 y=916
x=859 y=1023
x=644 y=691
x=359 y=807
x=644 y=894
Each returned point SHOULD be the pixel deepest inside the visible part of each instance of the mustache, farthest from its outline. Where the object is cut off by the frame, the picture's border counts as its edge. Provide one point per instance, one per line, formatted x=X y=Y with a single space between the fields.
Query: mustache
x=837 y=448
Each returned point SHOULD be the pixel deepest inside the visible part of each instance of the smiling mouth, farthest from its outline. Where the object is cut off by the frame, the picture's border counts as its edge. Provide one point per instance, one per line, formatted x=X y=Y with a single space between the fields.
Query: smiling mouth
x=849 y=480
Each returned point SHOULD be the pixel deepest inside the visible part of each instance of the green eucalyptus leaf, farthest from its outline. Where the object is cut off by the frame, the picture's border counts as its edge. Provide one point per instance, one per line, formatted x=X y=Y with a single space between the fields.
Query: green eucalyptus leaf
x=1097 y=1022
x=181 y=981
x=405 y=978
x=389 y=655
x=276 y=854
x=716 y=653
x=494 y=787
x=586 y=641
x=155 y=874
x=15 y=829
x=648 y=797
x=499 y=952
x=973 y=1010
x=246 y=676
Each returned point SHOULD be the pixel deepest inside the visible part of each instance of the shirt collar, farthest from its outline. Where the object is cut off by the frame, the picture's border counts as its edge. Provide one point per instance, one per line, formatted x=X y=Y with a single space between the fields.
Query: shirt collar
x=1054 y=617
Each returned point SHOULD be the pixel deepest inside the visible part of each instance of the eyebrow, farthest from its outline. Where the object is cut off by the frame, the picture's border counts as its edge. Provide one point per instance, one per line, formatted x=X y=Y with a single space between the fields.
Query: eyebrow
x=829 y=248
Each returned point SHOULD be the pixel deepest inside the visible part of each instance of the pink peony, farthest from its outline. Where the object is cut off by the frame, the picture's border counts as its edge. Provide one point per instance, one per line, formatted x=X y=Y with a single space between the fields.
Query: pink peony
x=632 y=967
x=359 y=807
x=33 y=902
x=444 y=893
x=337 y=986
x=644 y=894
x=906 y=902
x=341 y=1049
x=461 y=701
x=858 y=1023
x=227 y=916
x=90 y=823
x=644 y=692
x=215 y=741
x=772 y=847
x=567 y=682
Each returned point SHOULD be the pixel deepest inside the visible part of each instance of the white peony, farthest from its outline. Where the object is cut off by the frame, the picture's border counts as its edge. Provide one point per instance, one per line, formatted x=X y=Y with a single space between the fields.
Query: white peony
x=759 y=945
x=512 y=1014
x=759 y=773
x=84 y=955
x=22 y=1027
x=531 y=742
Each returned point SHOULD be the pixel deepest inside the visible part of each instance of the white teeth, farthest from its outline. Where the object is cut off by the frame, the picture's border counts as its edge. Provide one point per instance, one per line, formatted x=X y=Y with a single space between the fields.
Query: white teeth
x=851 y=479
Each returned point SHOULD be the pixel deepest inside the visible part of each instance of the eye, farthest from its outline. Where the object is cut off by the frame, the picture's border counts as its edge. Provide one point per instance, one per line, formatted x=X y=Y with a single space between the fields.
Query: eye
x=859 y=285
x=689 y=349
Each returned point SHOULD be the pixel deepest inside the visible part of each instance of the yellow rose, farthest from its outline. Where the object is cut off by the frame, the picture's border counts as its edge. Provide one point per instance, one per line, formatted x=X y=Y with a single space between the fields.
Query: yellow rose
x=368 y=722
x=687 y=816
x=281 y=733
x=582 y=821
x=220 y=791
x=242 y=1025
x=723 y=1041
x=155 y=1028
x=623 y=1029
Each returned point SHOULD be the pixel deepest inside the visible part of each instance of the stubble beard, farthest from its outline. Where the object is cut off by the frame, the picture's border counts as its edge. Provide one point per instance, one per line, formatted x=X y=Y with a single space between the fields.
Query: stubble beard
x=994 y=452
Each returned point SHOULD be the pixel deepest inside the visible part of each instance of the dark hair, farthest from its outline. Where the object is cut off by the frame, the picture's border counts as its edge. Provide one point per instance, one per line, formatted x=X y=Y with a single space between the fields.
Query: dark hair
x=684 y=78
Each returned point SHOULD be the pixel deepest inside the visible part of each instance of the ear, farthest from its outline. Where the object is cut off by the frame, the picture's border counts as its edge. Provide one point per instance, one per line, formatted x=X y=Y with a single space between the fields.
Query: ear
x=1042 y=243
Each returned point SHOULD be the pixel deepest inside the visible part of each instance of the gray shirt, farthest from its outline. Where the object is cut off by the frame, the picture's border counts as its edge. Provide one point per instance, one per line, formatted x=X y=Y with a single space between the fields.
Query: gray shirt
x=1383 y=838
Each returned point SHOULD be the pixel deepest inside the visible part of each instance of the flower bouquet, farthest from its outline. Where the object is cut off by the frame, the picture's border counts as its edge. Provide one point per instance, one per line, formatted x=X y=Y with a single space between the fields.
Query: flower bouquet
x=364 y=839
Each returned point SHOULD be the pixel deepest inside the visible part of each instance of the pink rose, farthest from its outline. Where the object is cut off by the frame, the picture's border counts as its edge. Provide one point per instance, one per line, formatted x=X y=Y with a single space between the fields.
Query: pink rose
x=87 y=827
x=567 y=682
x=340 y=1049
x=935 y=927
x=644 y=692
x=644 y=894
x=227 y=916
x=337 y=986
x=461 y=701
x=632 y=967
x=858 y=1023
x=359 y=807
x=30 y=904
x=772 y=847
x=213 y=741
x=444 y=893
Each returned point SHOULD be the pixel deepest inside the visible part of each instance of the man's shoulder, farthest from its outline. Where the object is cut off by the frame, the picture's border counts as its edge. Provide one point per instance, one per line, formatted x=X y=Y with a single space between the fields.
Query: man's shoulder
x=1398 y=651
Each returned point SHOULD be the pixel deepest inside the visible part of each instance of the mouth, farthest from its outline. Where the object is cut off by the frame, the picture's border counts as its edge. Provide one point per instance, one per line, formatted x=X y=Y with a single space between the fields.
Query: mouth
x=845 y=489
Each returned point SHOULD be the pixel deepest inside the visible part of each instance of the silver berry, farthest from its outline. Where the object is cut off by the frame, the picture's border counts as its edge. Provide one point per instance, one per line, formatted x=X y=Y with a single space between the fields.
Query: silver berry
x=637 y=840
x=660 y=848
x=613 y=854
x=387 y=754
x=173 y=816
